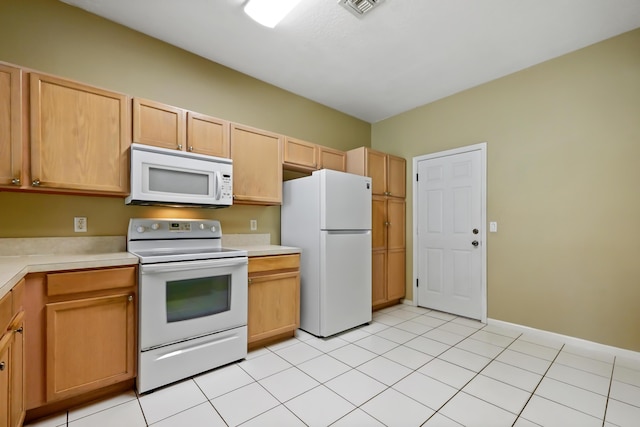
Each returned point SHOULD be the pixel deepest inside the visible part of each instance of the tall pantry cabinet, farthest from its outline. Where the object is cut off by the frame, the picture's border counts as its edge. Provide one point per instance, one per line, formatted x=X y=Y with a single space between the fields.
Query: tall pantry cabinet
x=388 y=245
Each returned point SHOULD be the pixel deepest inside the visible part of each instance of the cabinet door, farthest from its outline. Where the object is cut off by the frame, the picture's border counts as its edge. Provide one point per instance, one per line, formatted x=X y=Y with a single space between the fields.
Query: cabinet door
x=17 y=374
x=377 y=170
x=90 y=344
x=332 y=159
x=207 y=135
x=395 y=223
x=397 y=170
x=378 y=277
x=274 y=305
x=257 y=166
x=159 y=124
x=395 y=274
x=300 y=154
x=5 y=380
x=378 y=223
x=10 y=126
x=79 y=137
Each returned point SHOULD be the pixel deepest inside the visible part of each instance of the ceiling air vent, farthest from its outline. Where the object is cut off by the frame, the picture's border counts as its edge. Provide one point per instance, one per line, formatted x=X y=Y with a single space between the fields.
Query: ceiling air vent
x=360 y=7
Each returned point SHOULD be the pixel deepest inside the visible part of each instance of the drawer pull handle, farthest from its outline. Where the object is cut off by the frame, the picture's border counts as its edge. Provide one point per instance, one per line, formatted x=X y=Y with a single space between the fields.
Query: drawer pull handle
x=15 y=181
x=19 y=330
x=2 y=365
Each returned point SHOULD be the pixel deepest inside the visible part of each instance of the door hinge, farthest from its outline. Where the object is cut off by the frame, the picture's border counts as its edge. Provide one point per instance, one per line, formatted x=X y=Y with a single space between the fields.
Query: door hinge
x=417 y=283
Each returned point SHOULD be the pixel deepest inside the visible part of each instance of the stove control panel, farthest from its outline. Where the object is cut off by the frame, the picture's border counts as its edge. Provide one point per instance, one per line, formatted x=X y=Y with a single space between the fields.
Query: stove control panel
x=143 y=228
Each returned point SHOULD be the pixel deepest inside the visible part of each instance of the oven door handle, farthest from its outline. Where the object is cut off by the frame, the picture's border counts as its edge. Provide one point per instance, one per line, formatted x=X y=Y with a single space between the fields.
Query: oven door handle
x=191 y=265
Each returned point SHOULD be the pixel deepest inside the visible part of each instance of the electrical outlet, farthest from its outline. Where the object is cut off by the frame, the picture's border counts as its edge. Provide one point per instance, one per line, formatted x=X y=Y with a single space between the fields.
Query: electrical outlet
x=253 y=224
x=80 y=224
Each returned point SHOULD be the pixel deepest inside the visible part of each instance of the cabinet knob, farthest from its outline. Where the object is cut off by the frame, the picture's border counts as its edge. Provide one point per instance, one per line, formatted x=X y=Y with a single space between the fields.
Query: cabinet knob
x=2 y=365
x=249 y=281
x=19 y=330
x=130 y=298
x=387 y=223
x=15 y=181
x=179 y=146
x=36 y=182
x=191 y=148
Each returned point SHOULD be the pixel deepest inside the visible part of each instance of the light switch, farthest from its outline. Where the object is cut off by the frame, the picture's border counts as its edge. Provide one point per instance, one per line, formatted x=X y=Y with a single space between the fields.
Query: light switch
x=493 y=227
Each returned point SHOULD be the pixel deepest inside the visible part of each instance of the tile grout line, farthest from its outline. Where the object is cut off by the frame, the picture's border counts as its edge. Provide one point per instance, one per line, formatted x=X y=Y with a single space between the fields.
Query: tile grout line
x=538 y=385
x=606 y=405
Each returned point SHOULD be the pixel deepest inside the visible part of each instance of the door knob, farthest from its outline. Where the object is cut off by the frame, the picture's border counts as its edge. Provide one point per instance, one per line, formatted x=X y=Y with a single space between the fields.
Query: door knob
x=475 y=231
x=475 y=243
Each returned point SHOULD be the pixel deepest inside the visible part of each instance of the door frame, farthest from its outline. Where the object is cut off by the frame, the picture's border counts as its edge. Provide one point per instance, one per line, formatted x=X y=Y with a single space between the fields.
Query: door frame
x=482 y=147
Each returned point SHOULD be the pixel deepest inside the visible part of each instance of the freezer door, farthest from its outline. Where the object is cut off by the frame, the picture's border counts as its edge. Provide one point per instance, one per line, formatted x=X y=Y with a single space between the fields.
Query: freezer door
x=345 y=201
x=345 y=281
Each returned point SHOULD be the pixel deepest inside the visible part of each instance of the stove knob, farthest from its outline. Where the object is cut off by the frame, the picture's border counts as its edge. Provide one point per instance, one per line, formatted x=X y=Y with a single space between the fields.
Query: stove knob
x=213 y=229
x=140 y=229
x=202 y=227
x=155 y=226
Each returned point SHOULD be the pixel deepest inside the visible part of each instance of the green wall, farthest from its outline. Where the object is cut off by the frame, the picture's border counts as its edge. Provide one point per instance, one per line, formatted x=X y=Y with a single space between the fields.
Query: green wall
x=563 y=143
x=58 y=39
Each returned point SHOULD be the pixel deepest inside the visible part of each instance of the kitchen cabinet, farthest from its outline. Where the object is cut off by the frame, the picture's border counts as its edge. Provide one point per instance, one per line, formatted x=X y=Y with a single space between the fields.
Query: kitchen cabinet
x=300 y=155
x=12 y=358
x=388 y=250
x=307 y=157
x=257 y=166
x=79 y=137
x=387 y=172
x=83 y=340
x=330 y=158
x=165 y=126
x=274 y=298
x=11 y=123
x=388 y=218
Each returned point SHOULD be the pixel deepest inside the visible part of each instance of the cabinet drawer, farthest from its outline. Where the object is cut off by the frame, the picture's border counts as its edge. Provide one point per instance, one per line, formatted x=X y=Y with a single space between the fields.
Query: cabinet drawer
x=271 y=263
x=90 y=280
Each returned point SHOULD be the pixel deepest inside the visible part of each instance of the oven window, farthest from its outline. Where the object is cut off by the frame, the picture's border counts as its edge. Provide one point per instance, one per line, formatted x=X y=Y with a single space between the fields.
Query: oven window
x=173 y=181
x=194 y=298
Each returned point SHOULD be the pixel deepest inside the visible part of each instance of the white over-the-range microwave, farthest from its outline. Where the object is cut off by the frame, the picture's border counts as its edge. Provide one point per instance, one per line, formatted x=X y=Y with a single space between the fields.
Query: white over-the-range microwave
x=160 y=176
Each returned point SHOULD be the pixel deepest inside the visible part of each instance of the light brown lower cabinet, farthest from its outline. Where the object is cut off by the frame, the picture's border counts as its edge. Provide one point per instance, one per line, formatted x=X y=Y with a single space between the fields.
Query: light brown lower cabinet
x=274 y=298
x=12 y=358
x=83 y=340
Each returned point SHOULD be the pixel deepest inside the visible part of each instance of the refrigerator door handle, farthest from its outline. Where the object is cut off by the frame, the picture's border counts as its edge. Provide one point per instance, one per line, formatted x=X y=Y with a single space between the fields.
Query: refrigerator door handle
x=348 y=231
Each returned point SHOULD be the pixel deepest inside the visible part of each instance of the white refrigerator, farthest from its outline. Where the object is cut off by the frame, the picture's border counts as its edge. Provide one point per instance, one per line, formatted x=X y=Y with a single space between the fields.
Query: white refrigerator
x=328 y=216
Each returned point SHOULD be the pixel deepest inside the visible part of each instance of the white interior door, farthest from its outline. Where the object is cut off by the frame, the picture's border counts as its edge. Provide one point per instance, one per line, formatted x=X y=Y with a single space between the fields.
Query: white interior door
x=450 y=260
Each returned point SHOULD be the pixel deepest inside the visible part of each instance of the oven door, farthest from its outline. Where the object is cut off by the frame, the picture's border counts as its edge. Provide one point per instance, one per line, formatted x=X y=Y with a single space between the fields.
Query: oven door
x=184 y=300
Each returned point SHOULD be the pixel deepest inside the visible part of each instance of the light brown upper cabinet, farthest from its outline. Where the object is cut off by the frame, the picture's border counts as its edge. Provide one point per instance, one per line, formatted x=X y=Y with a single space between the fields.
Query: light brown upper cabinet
x=307 y=157
x=11 y=122
x=165 y=126
x=387 y=172
x=207 y=135
x=330 y=158
x=257 y=166
x=300 y=155
x=79 y=137
x=159 y=124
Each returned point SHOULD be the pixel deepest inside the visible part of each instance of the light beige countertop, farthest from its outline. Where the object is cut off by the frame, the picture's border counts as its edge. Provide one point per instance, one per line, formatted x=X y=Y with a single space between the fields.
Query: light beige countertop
x=265 y=250
x=256 y=244
x=14 y=268
x=21 y=256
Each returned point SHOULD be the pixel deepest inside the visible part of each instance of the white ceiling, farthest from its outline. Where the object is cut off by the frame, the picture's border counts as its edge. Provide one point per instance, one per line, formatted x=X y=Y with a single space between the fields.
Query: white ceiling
x=403 y=54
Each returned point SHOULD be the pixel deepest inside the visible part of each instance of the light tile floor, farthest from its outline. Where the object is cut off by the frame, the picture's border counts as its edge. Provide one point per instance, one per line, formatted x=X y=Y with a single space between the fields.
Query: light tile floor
x=409 y=367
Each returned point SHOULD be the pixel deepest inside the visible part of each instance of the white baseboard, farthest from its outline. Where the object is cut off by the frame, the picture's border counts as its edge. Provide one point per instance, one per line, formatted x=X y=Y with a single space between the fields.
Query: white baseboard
x=566 y=339
x=578 y=342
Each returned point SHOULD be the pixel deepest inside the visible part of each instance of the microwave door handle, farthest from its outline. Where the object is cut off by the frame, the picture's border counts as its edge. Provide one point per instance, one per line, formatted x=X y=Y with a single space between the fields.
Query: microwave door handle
x=218 y=185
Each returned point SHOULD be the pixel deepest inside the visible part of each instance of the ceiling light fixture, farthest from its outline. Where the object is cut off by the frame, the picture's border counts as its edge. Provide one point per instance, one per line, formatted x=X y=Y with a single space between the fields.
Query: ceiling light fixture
x=269 y=12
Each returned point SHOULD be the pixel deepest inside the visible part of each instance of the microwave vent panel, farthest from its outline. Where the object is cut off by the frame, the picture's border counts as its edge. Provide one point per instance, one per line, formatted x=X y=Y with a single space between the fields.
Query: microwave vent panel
x=360 y=7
